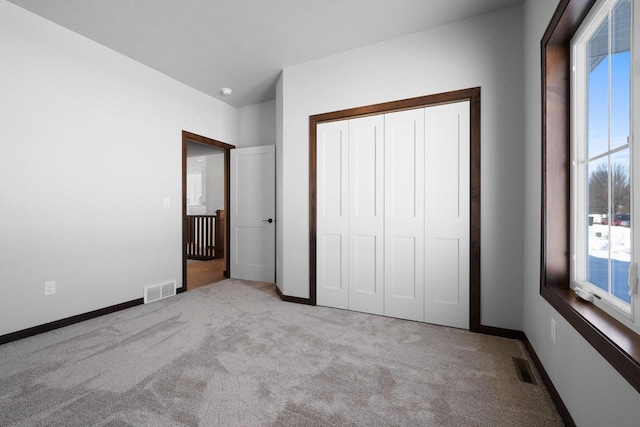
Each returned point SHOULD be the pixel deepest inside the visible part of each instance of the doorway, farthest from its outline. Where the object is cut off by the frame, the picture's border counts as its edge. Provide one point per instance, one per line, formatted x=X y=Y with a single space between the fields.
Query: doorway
x=205 y=202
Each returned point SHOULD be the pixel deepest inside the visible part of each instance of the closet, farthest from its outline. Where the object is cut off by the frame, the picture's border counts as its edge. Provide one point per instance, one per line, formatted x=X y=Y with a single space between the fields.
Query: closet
x=393 y=214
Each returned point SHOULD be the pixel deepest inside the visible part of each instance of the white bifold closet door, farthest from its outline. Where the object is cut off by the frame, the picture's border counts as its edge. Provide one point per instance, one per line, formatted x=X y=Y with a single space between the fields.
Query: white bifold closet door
x=393 y=214
x=404 y=215
x=366 y=214
x=332 y=207
x=350 y=214
x=447 y=214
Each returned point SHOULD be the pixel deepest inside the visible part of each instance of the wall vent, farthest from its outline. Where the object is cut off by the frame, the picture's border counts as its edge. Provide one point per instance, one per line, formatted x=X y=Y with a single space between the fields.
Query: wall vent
x=157 y=292
x=523 y=370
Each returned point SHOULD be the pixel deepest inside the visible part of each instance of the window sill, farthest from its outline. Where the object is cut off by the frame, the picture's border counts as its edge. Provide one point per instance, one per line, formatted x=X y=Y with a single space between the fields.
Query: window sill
x=618 y=344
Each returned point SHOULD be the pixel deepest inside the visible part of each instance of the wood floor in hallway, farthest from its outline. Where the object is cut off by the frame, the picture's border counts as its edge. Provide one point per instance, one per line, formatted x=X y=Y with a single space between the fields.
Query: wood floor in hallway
x=200 y=273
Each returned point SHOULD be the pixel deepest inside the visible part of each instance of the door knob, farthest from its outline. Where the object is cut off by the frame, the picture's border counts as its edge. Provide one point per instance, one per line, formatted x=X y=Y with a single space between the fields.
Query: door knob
x=268 y=220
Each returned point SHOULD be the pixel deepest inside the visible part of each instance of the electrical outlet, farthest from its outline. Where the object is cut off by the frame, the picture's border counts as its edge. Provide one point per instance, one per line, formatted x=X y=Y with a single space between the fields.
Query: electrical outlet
x=554 y=331
x=167 y=202
x=49 y=288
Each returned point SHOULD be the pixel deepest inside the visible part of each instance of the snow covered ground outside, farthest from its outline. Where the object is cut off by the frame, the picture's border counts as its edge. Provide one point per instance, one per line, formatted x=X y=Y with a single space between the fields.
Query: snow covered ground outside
x=598 y=264
x=620 y=242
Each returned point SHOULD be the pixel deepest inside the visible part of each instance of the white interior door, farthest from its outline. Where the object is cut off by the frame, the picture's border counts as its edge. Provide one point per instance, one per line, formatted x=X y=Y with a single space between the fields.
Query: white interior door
x=404 y=215
x=447 y=214
x=252 y=217
x=332 y=220
x=366 y=214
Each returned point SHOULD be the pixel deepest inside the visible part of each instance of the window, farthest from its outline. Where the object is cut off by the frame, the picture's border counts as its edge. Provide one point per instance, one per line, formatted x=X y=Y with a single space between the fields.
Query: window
x=602 y=165
x=613 y=337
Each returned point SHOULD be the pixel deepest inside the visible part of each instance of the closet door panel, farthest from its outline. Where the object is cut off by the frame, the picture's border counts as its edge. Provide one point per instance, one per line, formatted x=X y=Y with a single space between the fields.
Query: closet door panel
x=402 y=173
x=404 y=215
x=364 y=267
x=332 y=226
x=444 y=265
x=447 y=214
x=366 y=213
x=402 y=278
x=332 y=260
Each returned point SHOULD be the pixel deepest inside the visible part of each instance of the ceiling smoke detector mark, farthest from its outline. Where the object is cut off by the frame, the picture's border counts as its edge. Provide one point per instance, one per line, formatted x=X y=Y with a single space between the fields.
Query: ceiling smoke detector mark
x=49 y=288
x=226 y=91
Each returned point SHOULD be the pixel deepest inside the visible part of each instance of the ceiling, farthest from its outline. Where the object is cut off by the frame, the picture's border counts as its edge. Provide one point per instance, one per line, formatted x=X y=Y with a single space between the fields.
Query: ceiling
x=244 y=44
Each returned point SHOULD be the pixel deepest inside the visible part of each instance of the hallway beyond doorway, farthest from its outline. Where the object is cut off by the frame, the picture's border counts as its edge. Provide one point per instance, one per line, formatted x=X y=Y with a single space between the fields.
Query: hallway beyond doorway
x=200 y=273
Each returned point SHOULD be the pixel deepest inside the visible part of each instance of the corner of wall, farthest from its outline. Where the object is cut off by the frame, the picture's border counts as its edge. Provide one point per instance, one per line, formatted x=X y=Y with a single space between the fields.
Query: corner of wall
x=279 y=187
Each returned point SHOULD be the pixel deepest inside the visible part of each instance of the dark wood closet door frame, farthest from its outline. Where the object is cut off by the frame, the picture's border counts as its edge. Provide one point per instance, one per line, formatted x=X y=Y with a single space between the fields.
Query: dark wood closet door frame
x=472 y=95
x=186 y=137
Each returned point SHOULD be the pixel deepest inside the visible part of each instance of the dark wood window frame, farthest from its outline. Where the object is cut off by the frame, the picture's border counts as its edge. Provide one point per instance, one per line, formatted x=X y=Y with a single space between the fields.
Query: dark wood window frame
x=614 y=341
x=472 y=95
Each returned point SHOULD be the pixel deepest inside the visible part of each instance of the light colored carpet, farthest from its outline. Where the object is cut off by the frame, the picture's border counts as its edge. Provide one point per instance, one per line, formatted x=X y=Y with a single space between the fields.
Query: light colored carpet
x=233 y=354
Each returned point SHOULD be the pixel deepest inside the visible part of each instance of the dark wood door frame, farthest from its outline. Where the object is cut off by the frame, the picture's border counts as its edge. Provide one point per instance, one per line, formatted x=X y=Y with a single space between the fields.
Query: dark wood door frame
x=186 y=137
x=473 y=96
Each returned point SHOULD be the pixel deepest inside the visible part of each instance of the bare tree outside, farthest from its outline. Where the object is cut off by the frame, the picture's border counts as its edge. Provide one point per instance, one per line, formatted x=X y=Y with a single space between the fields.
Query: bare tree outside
x=599 y=190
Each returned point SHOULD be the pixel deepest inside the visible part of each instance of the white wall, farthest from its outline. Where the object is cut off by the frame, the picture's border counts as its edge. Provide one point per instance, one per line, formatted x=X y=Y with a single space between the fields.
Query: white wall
x=485 y=51
x=90 y=144
x=215 y=182
x=594 y=393
x=257 y=124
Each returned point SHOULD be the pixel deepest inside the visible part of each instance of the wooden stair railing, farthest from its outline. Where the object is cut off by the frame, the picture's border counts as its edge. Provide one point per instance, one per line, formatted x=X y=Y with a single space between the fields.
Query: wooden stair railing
x=205 y=236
